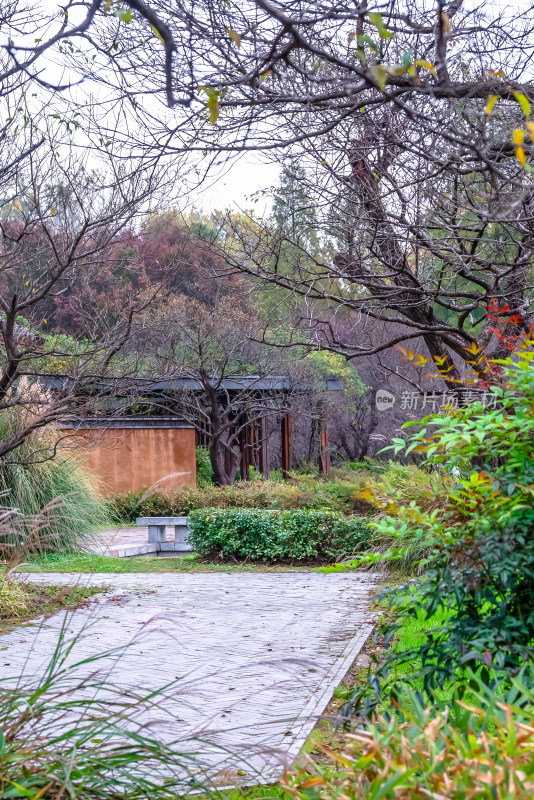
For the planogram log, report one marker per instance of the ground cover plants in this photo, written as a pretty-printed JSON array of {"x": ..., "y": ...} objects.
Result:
[
  {"x": 339, "y": 493},
  {"x": 21, "y": 601}
]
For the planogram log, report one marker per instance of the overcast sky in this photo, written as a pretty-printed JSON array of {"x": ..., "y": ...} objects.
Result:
[{"x": 233, "y": 184}]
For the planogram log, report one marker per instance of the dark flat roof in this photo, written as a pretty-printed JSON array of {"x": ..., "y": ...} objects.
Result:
[
  {"x": 102, "y": 422},
  {"x": 145, "y": 385}
]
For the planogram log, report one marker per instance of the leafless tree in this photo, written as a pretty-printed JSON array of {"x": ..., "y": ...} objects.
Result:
[
  {"x": 316, "y": 64},
  {"x": 220, "y": 379},
  {"x": 59, "y": 219},
  {"x": 413, "y": 116},
  {"x": 423, "y": 248}
]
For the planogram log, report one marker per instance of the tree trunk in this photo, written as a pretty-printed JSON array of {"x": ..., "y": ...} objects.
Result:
[
  {"x": 224, "y": 468},
  {"x": 448, "y": 369}
]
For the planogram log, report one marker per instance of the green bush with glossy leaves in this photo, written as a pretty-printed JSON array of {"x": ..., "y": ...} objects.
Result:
[
  {"x": 262, "y": 535},
  {"x": 479, "y": 564}
]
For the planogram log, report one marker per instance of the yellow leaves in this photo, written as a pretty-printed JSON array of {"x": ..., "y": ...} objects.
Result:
[
  {"x": 440, "y": 360},
  {"x": 376, "y": 20},
  {"x": 16, "y": 204},
  {"x": 523, "y": 102},
  {"x": 420, "y": 62},
  {"x": 333, "y": 754},
  {"x": 213, "y": 104},
  {"x": 407, "y": 355},
  {"x": 311, "y": 782},
  {"x": 420, "y": 360},
  {"x": 474, "y": 349},
  {"x": 379, "y": 75},
  {"x": 124, "y": 14},
  {"x": 380, "y": 72},
  {"x": 518, "y": 137},
  {"x": 234, "y": 36},
  {"x": 417, "y": 359},
  {"x": 158, "y": 34},
  {"x": 52, "y": 211},
  {"x": 491, "y": 102},
  {"x": 366, "y": 494}
]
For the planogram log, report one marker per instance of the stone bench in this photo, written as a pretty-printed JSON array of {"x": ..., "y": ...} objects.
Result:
[{"x": 157, "y": 533}]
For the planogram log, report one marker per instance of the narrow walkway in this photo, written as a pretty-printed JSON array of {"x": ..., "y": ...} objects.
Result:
[{"x": 255, "y": 657}]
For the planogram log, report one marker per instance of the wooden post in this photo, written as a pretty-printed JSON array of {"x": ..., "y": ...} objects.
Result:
[
  {"x": 264, "y": 461},
  {"x": 202, "y": 434},
  {"x": 324, "y": 455},
  {"x": 287, "y": 454},
  {"x": 245, "y": 444}
]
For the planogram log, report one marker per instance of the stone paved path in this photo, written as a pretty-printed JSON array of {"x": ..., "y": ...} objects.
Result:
[{"x": 257, "y": 655}]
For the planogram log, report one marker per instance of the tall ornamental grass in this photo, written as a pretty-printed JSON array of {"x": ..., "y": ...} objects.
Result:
[
  {"x": 34, "y": 481},
  {"x": 68, "y": 732}
]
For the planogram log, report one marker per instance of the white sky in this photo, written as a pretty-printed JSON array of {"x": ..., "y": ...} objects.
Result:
[
  {"x": 235, "y": 185},
  {"x": 232, "y": 184}
]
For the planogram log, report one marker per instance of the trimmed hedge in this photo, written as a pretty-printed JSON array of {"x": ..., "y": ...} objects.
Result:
[{"x": 263, "y": 535}]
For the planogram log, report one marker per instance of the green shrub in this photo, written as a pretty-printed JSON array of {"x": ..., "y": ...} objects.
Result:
[
  {"x": 274, "y": 535},
  {"x": 203, "y": 467},
  {"x": 479, "y": 568},
  {"x": 481, "y": 750}
]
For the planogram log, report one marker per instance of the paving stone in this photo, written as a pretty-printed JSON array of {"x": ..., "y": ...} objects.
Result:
[{"x": 254, "y": 657}]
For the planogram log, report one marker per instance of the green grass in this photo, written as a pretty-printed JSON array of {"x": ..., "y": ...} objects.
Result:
[
  {"x": 251, "y": 793},
  {"x": 411, "y": 635},
  {"x": 82, "y": 562}
]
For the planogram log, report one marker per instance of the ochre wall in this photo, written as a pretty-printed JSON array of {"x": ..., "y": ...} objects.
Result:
[{"x": 131, "y": 458}]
